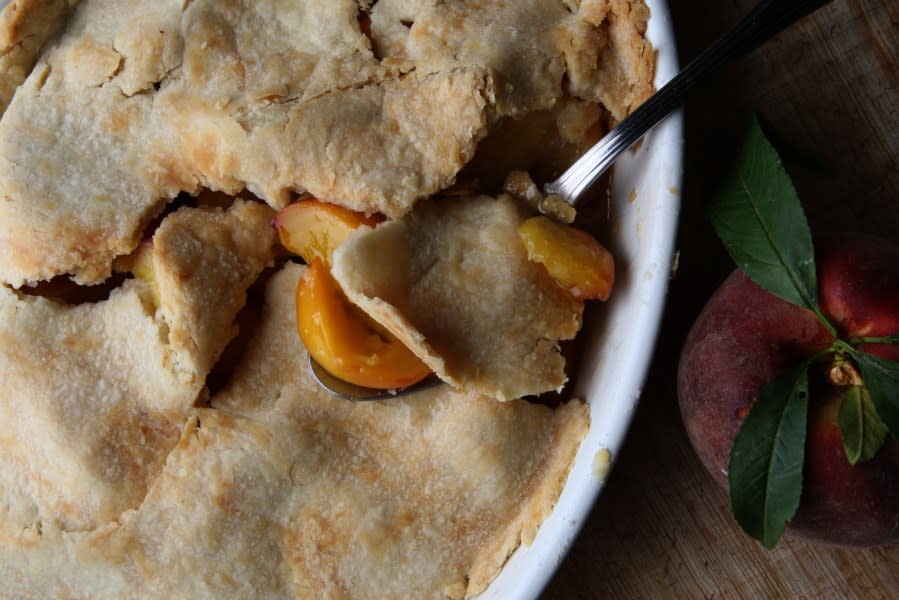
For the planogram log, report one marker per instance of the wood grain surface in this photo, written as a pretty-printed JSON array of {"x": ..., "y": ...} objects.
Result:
[{"x": 829, "y": 89}]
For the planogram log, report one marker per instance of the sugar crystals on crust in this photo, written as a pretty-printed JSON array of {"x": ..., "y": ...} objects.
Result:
[{"x": 284, "y": 491}]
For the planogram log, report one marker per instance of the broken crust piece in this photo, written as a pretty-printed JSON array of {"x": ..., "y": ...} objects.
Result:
[
  {"x": 205, "y": 258},
  {"x": 96, "y": 394},
  {"x": 284, "y": 491},
  {"x": 453, "y": 282}
]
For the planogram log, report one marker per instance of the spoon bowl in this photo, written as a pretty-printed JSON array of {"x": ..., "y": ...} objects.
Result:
[{"x": 350, "y": 391}]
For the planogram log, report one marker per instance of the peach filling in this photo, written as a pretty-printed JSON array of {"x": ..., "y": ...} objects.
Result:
[
  {"x": 140, "y": 264},
  {"x": 572, "y": 257},
  {"x": 345, "y": 341},
  {"x": 337, "y": 334}
]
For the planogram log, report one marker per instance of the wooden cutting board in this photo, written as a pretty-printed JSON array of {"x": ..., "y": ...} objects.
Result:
[{"x": 829, "y": 88}]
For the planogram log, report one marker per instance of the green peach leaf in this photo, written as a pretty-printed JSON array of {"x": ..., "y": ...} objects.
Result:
[
  {"x": 760, "y": 220},
  {"x": 861, "y": 429},
  {"x": 887, "y": 339},
  {"x": 765, "y": 470},
  {"x": 881, "y": 377}
]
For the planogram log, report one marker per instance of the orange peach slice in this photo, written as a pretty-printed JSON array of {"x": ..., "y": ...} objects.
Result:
[
  {"x": 312, "y": 228},
  {"x": 571, "y": 256},
  {"x": 345, "y": 341}
]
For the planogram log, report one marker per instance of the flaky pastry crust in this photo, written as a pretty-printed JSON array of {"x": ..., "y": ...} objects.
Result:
[{"x": 283, "y": 491}]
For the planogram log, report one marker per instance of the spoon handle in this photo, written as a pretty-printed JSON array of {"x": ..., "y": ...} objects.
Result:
[{"x": 768, "y": 18}]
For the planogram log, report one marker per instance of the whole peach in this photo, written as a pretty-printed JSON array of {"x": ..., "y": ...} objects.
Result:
[{"x": 745, "y": 336}]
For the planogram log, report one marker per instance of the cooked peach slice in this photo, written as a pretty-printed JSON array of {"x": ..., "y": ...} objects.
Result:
[
  {"x": 312, "y": 228},
  {"x": 337, "y": 334},
  {"x": 140, "y": 264},
  {"x": 571, "y": 256},
  {"x": 345, "y": 341}
]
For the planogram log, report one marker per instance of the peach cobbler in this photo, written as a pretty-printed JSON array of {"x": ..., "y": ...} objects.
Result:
[{"x": 197, "y": 195}]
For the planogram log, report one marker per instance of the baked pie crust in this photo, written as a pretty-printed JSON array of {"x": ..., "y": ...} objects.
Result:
[
  {"x": 125, "y": 472},
  {"x": 453, "y": 282},
  {"x": 281, "y": 490}
]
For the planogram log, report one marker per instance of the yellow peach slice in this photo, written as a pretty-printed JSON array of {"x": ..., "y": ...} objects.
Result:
[
  {"x": 140, "y": 264},
  {"x": 312, "y": 228},
  {"x": 571, "y": 256},
  {"x": 345, "y": 341}
]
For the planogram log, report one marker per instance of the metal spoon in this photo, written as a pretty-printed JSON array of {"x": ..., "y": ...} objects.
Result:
[
  {"x": 351, "y": 391},
  {"x": 767, "y": 19}
]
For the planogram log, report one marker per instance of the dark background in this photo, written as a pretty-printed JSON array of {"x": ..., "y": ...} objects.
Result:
[{"x": 829, "y": 89}]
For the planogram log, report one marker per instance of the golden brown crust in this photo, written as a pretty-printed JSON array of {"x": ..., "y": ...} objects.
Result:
[
  {"x": 21, "y": 19},
  {"x": 494, "y": 34},
  {"x": 88, "y": 124},
  {"x": 608, "y": 57},
  {"x": 207, "y": 258}
]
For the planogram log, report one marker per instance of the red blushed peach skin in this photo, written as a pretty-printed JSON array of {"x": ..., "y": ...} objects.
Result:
[
  {"x": 858, "y": 277},
  {"x": 853, "y": 505},
  {"x": 741, "y": 340}
]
